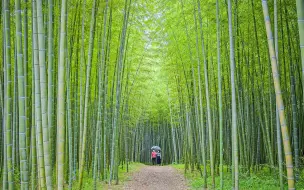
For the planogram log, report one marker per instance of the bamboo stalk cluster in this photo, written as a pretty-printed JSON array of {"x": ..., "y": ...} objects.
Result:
[{"x": 89, "y": 86}]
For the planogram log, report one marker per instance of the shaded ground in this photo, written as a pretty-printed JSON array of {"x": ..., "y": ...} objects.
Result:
[{"x": 157, "y": 177}]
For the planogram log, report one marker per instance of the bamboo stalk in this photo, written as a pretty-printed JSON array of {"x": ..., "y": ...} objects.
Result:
[{"x": 279, "y": 99}]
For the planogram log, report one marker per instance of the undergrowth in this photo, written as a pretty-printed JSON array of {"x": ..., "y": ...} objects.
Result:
[
  {"x": 261, "y": 180},
  {"x": 124, "y": 176}
]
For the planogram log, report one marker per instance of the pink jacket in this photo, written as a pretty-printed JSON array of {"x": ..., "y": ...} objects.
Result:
[{"x": 153, "y": 154}]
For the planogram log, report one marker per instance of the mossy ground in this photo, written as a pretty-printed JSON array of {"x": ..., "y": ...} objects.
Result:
[{"x": 261, "y": 180}]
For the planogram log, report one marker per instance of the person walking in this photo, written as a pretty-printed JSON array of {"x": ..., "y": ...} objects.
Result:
[
  {"x": 153, "y": 157},
  {"x": 158, "y": 157}
]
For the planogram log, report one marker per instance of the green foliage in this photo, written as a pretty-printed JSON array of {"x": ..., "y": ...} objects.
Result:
[
  {"x": 261, "y": 180},
  {"x": 124, "y": 176}
]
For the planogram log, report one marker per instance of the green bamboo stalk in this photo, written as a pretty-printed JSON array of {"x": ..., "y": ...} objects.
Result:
[
  {"x": 279, "y": 145},
  {"x": 193, "y": 84},
  {"x": 172, "y": 127},
  {"x": 266, "y": 130},
  {"x": 119, "y": 75},
  {"x": 105, "y": 122},
  {"x": 279, "y": 141},
  {"x": 233, "y": 101},
  {"x": 69, "y": 147},
  {"x": 300, "y": 13},
  {"x": 100, "y": 94},
  {"x": 26, "y": 84},
  {"x": 82, "y": 71},
  {"x": 8, "y": 95},
  {"x": 220, "y": 91},
  {"x": 4, "y": 174},
  {"x": 50, "y": 103},
  {"x": 201, "y": 120},
  {"x": 21, "y": 103},
  {"x": 87, "y": 93},
  {"x": 76, "y": 123},
  {"x": 15, "y": 117},
  {"x": 61, "y": 99},
  {"x": 44, "y": 95},
  {"x": 210, "y": 130},
  {"x": 279, "y": 99},
  {"x": 34, "y": 167},
  {"x": 98, "y": 124},
  {"x": 106, "y": 83},
  {"x": 293, "y": 100},
  {"x": 39, "y": 137}
]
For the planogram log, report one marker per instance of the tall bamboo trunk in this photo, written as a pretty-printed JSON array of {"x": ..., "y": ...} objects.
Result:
[
  {"x": 101, "y": 107},
  {"x": 61, "y": 99},
  {"x": 87, "y": 93},
  {"x": 50, "y": 106},
  {"x": 8, "y": 96},
  {"x": 200, "y": 112},
  {"x": 21, "y": 103},
  {"x": 278, "y": 135},
  {"x": 300, "y": 12},
  {"x": 33, "y": 155},
  {"x": 220, "y": 91},
  {"x": 119, "y": 70},
  {"x": 209, "y": 119},
  {"x": 82, "y": 71},
  {"x": 279, "y": 99},
  {"x": 293, "y": 100},
  {"x": 4, "y": 174},
  {"x": 40, "y": 155},
  {"x": 233, "y": 100},
  {"x": 26, "y": 84},
  {"x": 172, "y": 129},
  {"x": 43, "y": 91}
]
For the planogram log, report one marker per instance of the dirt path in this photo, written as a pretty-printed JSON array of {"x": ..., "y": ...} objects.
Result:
[{"x": 157, "y": 177}]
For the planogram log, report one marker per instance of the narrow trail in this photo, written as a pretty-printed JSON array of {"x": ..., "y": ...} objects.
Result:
[{"x": 157, "y": 177}]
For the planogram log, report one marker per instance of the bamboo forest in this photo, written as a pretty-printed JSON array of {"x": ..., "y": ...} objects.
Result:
[{"x": 89, "y": 86}]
